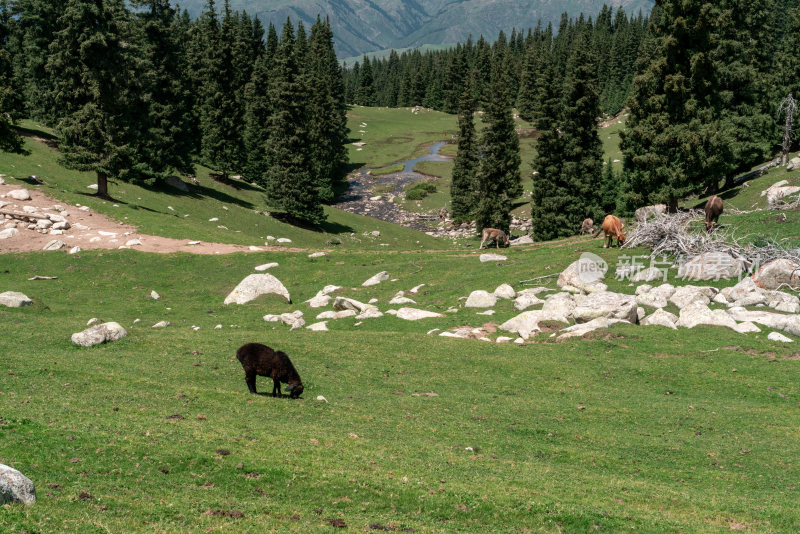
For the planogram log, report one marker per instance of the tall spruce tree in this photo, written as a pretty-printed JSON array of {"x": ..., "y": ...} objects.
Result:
[
  {"x": 582, "y": 148},
  {"x": 95, "y": 74},
  {"x": 10, "y": 104},
  {"x": 551, "y": 194},
  {"x": 327, "y": 113},
  {"x": 498, "y": 176},
  {"x": 365, "y": 94},
  {"x": 291, "y": 184},
  {"x": 217, "y": 108},
  {"x": 38, "y": 22},
  {"x": 464, "y": 187},
  {"x": 696, "y": 115},
  {"x": 167, "y": 145}
]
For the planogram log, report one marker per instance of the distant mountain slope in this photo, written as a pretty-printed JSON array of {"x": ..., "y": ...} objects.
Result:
[{"x": 367, "y": 25}]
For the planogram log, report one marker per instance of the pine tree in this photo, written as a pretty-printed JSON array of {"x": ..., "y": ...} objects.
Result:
[
  {"x": 258, "y": 110},
  {"x": 327, "y": 113},
  {"x": 291, "y": 185},
  {"x": 550, "y": 197},
  {"x": 94, "y": 68},
  {"x": 167, "y": 145},
  {"x": 219, "y": 115},
  {"x": 464, "y": 186},
  {"x": 365, "y": 94},
  {"x": 10, "y": 105},
  {"x": 37, "y": 21},
  {"x": 695, "y": 111},
  {"x": 582, "y": 149},
  {"x": 498, "y": 176}
]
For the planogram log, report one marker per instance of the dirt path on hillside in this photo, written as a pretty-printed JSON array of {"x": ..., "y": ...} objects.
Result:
[{"x": 90, "y": 230}]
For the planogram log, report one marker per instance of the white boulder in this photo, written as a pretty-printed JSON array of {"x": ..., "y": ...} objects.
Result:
[
  {"x": 712, "y": 266},
  {"x": 377, "y": 279},
  {"x": 777, "y": 336},
  {"x": 414, "y": 314},
  {"x": 686, "y": 295},
  {"x": 606, "y": 304},
  {"x": 480, "y": 299},
  {"x": 293, "y": 319},
  {"x": 505, "y": 291},
  {"x": 319, "y": 327},
  {"x": 255, "y": 285},
  {"x": 14, "y": 299},
  {"x": 19, "y": 194},
  {"x": 9, "y": 233},
  {"x": 661, "y": 318},
  {"x": 584, "y": 275},
  {"x": 778, "y": 273},
  {"x": 98, "y": 334},
  {"x": 698, "y": 314},
  {"x": 485, "y": 258},
  {"x": 265, "y": 266},
  {"x": 15, "y": 487}
]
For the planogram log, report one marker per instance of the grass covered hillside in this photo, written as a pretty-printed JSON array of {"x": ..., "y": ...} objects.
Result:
[
  {"x": 635, "y": 427},
  {"x": 171, "y": 213},
  {"x": 399, "y": 429}
]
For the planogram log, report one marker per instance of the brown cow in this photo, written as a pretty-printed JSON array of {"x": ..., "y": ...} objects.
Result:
[
  {"x": 713, "y": 210},
  {"x": 587, "y": 227},
  {"x": 612, "y": 227},
  {"x": 493, "y": 234}
]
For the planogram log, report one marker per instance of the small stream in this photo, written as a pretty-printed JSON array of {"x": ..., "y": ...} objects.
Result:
[{"x": 361, "y": 191}]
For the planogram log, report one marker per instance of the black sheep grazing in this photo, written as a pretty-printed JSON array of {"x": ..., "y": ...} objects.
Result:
[{"x": 258, "y": 359}]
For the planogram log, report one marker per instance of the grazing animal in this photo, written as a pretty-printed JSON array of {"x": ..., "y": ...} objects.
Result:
[
  {"x": 587, "y": 227},
  {"x": 713, "y": 210},
  {"x": 612, "y": 227},
  {"x": 493, "y": 234},
  {"x": 258, "y": 359}
]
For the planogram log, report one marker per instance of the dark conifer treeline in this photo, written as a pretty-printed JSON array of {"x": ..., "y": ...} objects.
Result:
[
  {"x": 433, "y": 79},
  {"x": 141, "y": 94}
]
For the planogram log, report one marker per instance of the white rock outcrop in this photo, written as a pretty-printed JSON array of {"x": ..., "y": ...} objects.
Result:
[
  {"x": 712, "y": 266},
  {"x": 15, "y": 487},
  {"x": 606, "y": 304},
  {"x": 414, "y": 314},
  {"x": 377, "y": 279},
  {"x": 14, "y": 299},
  {"x": 101, "y": 333},
  {"x": 485, "y": 258},
  {"x": 525, "y": 301},
  {"x": 686, "y": 295},
  {"x": 777, "y": 336},
  {"x": 322, "y": 326},
  {"x": 480, "y": 299},
  {"x": 661, "y": 318},
  {"x": 578, "y": 330},
  {"x": 583, "y": 275},
  {"x": 19, "y": 194},
  {"x": 777, "y": 274},
  {"x": 293, "y": 319},
  {"x": 655, "y": 297},
  {"x": 336, "y": 314},
  {"x": 255, "y": 285},
  {"x": 505, "y": 291},
  {"x": 698, "y": 314}
]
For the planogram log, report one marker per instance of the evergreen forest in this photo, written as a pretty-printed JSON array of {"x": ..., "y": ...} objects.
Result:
[{"x": 138, "y": 91}]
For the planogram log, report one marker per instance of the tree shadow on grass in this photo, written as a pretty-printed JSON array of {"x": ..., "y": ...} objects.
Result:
[
  {"x": 326, "y": 227},
  {"x": 201, "y": 191},
  {"x": 38, "y": 135},
  {"x": 239, "y": 185}
]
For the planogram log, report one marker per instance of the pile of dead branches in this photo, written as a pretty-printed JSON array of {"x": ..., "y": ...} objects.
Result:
[{"x": 682, "y": 236}]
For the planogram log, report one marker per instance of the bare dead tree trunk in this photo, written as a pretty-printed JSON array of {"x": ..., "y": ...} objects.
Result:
[{"x": 789, "y": 107}]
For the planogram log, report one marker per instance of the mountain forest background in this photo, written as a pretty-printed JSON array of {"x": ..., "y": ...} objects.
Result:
[{"x": 141, "y": 90}]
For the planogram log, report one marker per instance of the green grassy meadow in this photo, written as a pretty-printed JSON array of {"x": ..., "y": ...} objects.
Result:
[{"x": 634, "y": 428}]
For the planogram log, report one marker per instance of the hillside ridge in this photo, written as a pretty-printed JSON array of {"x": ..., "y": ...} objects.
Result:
[{"x": 362, "y": 26}]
